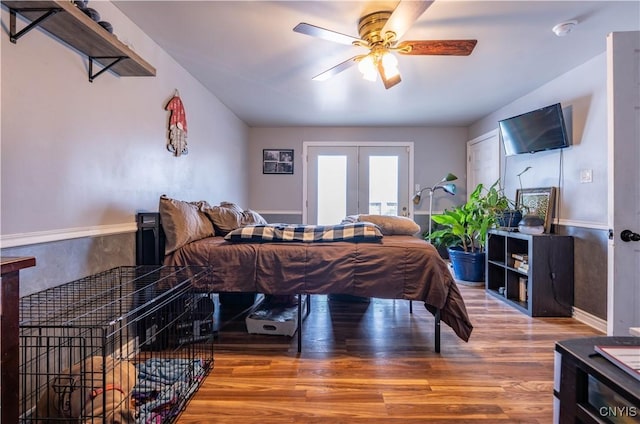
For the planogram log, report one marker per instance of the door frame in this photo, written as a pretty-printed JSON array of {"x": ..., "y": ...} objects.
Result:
[{"x": 305, "y": 162}]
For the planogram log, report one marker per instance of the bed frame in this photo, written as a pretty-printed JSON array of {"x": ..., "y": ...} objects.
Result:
[{"x": 150, "y": 245}]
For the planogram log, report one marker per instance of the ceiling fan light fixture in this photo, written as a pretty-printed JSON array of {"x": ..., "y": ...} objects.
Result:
[
  {"x": 367, "y": 67},
  {"x": 390, "y": 65},
  {"x": 389, "y": 73}
]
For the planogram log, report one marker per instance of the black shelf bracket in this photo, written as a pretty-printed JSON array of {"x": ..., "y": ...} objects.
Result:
[
  {"x": 115, "y": 59},
  {"x": 13, "y": 35}
]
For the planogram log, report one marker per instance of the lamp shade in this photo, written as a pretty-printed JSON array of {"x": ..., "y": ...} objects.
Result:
[{"x": 449, "y": 188}]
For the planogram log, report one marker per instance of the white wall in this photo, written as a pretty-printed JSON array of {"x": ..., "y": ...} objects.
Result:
[
  {"x": 79, "y": 159},
  {"x": 583, "y": 91},
  {"x": 438, "y": 151},
  {"x": 88, "y": 155}
]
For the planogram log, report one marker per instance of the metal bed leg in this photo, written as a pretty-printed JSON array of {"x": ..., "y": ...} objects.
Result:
[
  {"x": 299, "y": 329},
  {"x": 437, "y": 330},
  {"x": 307, "y": 312},
  {"x": 411, "y": 306}
]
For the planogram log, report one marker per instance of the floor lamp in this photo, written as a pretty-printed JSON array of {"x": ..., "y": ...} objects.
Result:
[{"x": 443, "y": 184}]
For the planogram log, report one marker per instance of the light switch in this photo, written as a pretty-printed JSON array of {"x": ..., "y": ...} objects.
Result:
[{"x": 586, "y": 175}]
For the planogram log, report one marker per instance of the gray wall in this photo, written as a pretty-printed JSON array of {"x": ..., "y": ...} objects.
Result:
[
  {"x": 79, "y": 159},
  {"x": 582, "y": 209},
  {"x": 437, "y": 151}
]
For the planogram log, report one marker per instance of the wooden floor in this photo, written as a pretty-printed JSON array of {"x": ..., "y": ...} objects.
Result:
[{"x": 375, "y": 363}]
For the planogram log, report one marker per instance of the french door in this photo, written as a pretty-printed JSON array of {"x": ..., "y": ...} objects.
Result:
[{"x": 347, "y": 179}]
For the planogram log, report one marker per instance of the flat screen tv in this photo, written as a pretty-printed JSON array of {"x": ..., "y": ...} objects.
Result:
[{"x": 541, "y": 129}]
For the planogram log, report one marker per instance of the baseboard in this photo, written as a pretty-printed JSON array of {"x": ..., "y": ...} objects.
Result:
[{"x": 591, "y": 320}]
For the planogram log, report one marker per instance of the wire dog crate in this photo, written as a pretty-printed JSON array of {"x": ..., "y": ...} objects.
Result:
[{"x": 128, "y": 345}]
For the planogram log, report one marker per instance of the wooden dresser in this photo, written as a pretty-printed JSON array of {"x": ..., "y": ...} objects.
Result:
[{"x": 9, "y": 342}]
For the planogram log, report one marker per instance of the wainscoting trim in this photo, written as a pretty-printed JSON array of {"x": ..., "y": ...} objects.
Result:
[
  {"x": 267, "y": 212},
  {"x": 583, "y": 224},
  {"x": 25, "y": 239},
  {"x": 591, "y": 320}
]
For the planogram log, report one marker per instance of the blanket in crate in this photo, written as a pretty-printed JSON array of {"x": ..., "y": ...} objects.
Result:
[{"x": 164, "y": 385}]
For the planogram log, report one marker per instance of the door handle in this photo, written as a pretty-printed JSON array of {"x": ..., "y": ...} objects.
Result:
[{"x": 628, "y": 235}]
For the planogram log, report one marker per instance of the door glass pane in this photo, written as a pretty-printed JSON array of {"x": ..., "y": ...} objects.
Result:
[
  {"x": 332, "y": 189},
  {"x": 383, "y": 185}
]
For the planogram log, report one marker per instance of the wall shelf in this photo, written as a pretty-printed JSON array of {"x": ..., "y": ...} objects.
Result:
[{"x": 65, "y": 21}]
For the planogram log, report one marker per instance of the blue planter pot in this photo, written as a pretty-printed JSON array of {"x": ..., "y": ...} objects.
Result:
[
  {"x": 467, "y": 266},
  {"x": 509, "y": 219}
]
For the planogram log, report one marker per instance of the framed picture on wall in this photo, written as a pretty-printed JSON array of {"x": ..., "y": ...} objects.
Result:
[
  {"x": 277, "y": 161},
  {"x": 537, "y": 201}
]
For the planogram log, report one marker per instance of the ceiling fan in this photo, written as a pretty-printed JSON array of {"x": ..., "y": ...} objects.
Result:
[{"x": 380, "y": 32}]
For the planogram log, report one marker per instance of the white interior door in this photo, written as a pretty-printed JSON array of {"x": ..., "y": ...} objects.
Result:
[
  {"x": 483, "y": 160},
  {"x": 623, "y": 92},
  {"x": 347, "y": 180}
]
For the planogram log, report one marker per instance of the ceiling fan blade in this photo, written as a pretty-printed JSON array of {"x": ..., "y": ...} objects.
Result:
[
  {"x": 438, "y": 47},
  {"x": 327, "y": 34},
  {"x": 405, "y": 14},
  {"x": 336, "y": 69}
]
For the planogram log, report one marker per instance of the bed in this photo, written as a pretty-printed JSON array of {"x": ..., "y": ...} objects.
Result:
[{"x": 389, "y": 265}]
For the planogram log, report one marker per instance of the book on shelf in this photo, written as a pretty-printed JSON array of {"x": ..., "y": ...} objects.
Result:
[
  {"x": 523, "y": 267},
  {"x": 520, "y": 264},
  {"x": 626, "y": 358},
  {"x": 520, "y": 257},
  {"x": 522, "y": 289}
]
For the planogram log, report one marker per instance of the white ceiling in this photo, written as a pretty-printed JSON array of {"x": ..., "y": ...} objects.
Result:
[{"x": 247, "y": 54}]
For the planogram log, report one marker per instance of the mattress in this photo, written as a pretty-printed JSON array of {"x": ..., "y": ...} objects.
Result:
[{"x": 397, "y": 267}]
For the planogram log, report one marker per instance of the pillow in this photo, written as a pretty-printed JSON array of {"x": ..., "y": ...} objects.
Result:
[
  {"x": 349, "y": 219},
  {"x": 183, "y": 222},
  {"x": 392, "y": 225},
  {"x": 250, "y": 217},
  {"x": 224, "y": 219},
  {"x": 229, "y": 216},
  {"x": 232, "y": 206}
]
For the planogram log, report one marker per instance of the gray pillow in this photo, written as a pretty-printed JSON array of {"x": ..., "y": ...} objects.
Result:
[
  {"x": 183, "y": 222},
  {"x": 229, "y": 216},
  {"x": 392, "y": 225}
]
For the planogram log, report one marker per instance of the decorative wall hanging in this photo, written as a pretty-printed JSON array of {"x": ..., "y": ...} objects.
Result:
[
  {"x": 177, "y": 143},
  {"x": 277, "y": 161},
  {"x": 539, "y": 202}
]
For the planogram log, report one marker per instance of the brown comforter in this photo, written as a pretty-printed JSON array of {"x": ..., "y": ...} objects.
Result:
[{"x": 400, "y": 267}]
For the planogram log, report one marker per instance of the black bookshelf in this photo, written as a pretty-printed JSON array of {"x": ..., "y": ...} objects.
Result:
[{"x": 541, "y": 283}]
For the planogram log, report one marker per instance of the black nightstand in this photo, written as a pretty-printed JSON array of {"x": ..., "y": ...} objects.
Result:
[{"x": 590, "y": 389}]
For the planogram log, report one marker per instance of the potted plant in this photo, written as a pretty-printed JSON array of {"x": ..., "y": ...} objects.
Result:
[
  {"x": 465, "y": 229},
  {"x": 504, "y": 209}
]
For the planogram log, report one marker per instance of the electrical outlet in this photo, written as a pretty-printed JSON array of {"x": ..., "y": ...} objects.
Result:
[
  {"x": 417, "y": 188},
  {"x": 586, "y": 175}
]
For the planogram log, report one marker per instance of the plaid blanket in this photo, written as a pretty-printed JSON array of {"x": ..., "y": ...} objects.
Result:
[{"x": 354, "y": 232}]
